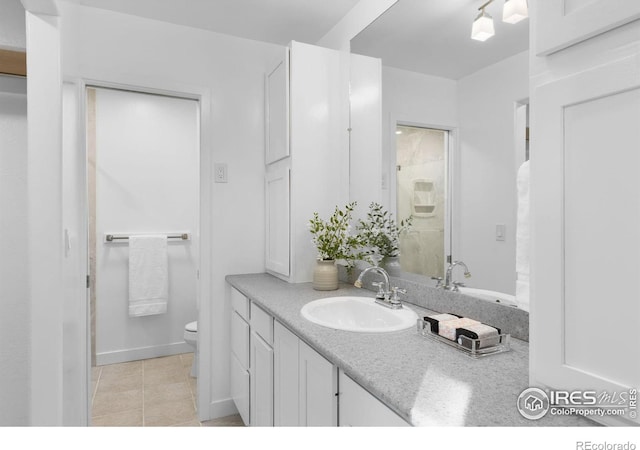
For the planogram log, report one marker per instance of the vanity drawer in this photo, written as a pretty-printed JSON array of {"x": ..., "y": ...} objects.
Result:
[
  {"x": 262, "y": 323},
  {"x": 240, "y": 304},
  {"x": 240, "y": 339}
]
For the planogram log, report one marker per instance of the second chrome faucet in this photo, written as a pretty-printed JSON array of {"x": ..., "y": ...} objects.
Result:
[{"x": 448, "y": 283}]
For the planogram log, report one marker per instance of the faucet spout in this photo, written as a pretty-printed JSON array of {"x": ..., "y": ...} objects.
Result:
[
  {"x": 448, "y": 279},
  {"x": 383, "y": 292}
]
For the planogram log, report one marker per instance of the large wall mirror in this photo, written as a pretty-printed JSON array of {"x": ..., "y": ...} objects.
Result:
[{"x": 454, "y": 136}]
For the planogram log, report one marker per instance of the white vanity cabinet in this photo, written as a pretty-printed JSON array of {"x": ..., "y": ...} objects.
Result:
[
  {"x": 585, "y": 111},
  {"x": 239, "y": 361},
  {"x": 305, "y": 390},
  {"x": 307, "y": 157},
  {"x": 358, "y": 408},
  {"x": 261, "y": 367}
]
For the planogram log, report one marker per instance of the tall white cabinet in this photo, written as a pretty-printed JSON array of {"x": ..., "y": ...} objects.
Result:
[
  {"x": 585, "y": 156},
  {"x": 307, "y": 158}
]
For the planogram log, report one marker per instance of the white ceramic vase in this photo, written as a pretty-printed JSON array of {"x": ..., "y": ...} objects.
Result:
[
  {"x": 392, "y": 265},
  {"x": 325, "y": 275}
]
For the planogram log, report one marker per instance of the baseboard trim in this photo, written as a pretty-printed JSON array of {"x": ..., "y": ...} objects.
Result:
[
  {"x": 136, "y": 354},
  {"x": 221, "y": 408}
]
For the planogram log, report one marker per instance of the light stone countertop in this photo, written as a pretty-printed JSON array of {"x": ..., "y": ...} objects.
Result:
[{"x": 426, "y": 382}]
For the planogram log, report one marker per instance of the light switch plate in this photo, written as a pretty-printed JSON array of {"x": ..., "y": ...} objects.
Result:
[
  {"x": 220, "y": 172},
  {"x": 500, "y": 232}
]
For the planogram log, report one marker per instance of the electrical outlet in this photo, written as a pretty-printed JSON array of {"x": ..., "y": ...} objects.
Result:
[{"x": 220, "y": 173}]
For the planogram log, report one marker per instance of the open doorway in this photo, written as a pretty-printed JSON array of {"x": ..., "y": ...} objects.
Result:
[
  {"x": 143, "y": 189},
  {"x": 421, "y": 190}
]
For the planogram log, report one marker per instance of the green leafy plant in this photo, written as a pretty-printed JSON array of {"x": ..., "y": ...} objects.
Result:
[
  {"x": 380, "y": 233},
  {"x": 333, "y": 237}
]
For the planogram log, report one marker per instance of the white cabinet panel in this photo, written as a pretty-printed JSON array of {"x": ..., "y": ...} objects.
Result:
[
  {"x": 277, "y": 113},
  {"x": 358, "y": 408},
  {"x": 318, "y": 389},
  {"x": 261, "y": 376},
  {"x": 286, "y": 397},
  {"x": 240, "y": 303},
  {"x": 262, "y": 323},
  {"x": 240, "y": 339},
  {"x": 305, "y": 383},
  {"x": 585, "y": 265},
  {"x": 277, "y": 187},
  {"x": 240, "y": 388},
  {"x": 561, "y": 23}
]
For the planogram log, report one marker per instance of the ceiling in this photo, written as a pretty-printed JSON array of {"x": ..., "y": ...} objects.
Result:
[
  {"x": 427, "y": 36},
  {"x": 275, "y": 21},
  {"x": 434, "y": 37}
]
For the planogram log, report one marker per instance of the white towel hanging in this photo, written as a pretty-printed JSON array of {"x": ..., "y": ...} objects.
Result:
[
  {"x": 148, "y": 275},
  {"x": 522, "y": 238}
]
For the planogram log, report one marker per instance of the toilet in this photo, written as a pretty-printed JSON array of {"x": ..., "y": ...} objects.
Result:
[{"x": 191, "y": 338}]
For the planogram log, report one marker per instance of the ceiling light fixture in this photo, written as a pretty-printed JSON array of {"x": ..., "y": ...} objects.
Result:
[
  {"x": 514, "y": 11},
  {"x": 482, "y": 28}
]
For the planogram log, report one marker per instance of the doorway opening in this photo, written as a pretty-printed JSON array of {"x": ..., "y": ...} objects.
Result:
[
  {"x": 422, "y": 156},
  {"x": 143, "y": 179}
]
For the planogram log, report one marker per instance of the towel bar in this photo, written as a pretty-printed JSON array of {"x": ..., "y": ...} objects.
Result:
[{"x": 123, "y": 237}]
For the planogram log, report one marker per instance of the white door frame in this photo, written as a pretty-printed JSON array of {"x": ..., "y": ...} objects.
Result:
[
  {"x": 203, "y": 96},
  {"x": 452, "y": 228}
]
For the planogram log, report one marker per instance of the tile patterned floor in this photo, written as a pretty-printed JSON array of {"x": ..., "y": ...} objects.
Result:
[{"x": 151, "y": 392}]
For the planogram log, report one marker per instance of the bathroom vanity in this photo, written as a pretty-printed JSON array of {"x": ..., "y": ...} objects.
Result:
[{"x": 359, "y": 379}]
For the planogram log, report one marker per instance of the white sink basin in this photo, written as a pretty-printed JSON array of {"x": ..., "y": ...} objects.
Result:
[
  {"x": 490, "y": 296},
  {"x": 359, "y": 314}
]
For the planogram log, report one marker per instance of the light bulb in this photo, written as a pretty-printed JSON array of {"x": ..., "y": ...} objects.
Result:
[
  {"x": 482, "y": 28},
  {"x": 514, "y": 11}
]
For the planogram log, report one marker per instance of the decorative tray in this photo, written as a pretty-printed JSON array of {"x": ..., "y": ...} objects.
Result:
[{"x": 474, "y": 348}]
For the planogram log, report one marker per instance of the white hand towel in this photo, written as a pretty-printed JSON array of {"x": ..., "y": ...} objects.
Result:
[
  {"x": 148, "y": 275},
  {"x": 522, "y": 222},
  {"x": 522, "y": 238}
]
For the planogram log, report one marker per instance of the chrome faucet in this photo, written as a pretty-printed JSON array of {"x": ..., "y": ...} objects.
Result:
[
  {"x": 451, "y": 285},
  {"x": 385, "y": 296}
]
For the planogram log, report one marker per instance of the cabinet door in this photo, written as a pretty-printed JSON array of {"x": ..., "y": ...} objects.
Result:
[
  {"x": 277, "y": 220},
  {"x": 585, "y": 312},
  {"x": 285, "y": 354},
  {"x": 277, "y": 110},
  {"x": 318, "y": 380},
  {"x": 561, "y": 23},
  {"x": 240, "y": 339},
  {"x": 261, "y": 376},
  {"x": 358, "y": 408},
  {"x": 240, "y": 388}
]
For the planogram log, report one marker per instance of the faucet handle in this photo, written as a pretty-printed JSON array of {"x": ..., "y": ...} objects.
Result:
[
  {"x": 394, "y": 294},
  {"x": 438, "y": 281},
  {"x": 457, "y": 284},
  {"x": 381, "y": 293}
]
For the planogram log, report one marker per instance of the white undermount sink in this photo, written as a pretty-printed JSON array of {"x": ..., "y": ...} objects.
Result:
[{"x": 360, "y": 314}]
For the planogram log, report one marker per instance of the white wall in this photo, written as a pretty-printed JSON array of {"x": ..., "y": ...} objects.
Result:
[
  {"x": 147, "y": 150},
  {"x": 357, "y": 19},
  {"x": 108, "y": 46},
  {"x": 12, "y": 25},
  {"x": 416, "y": 99},
  {"x": 487, "y": 170},
  {"x": 14, "y": 304}
]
